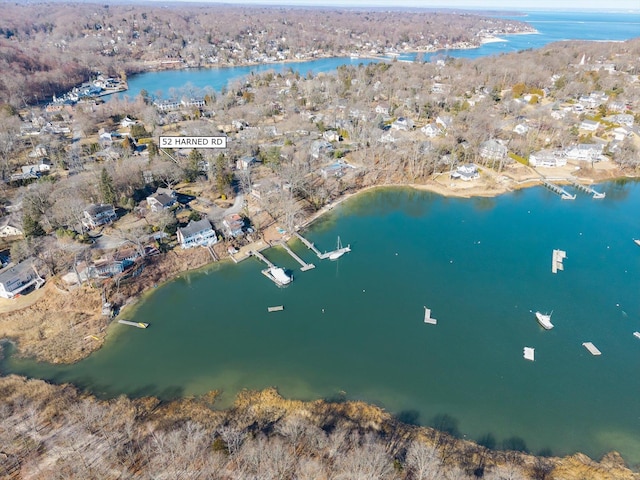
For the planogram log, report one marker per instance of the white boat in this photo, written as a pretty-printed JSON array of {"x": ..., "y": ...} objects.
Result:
[
  {"x": 544, "y": 320},
  {"x": 636, "y": 334},
  {"x": 280, "y": 276},
  {"x": 339, "y": 251},
  {"x": 637, "y": 241}
]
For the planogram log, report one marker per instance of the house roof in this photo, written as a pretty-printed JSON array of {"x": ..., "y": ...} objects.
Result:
[
  {"x": 96, "y": 209},
  {"x": 195, "y": 227},
  {"x": 162, "y": 198},
  {"x": 12, "y": 270}
]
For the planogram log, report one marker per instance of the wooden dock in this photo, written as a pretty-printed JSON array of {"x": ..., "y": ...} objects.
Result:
[
  {"x": 559, "y": 190},
  {"x": 588, "y": 189},
  {"x": 304, "y": 266},
  {"x": 427, "y": 317},
  {"x": 259, "y": 256},
  {"x": 332, "y": 254},
  {"x": 592, "y": 348},
  {"x": 277, "y": 308},
  {"x": 134, "y": 324},
  {"x": 308, "y": 244}
]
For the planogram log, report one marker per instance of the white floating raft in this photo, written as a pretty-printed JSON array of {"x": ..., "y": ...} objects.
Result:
[
  {"x": 593, "y": 350},
  {"x": 427, "y": 317},
  {"x": 529, "y": 353},
  {"x": 277, "y": 308}
]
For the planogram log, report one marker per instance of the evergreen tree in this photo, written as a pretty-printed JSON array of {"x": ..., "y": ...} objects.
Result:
[
  {"x": 107, "y": 190},
  {"x": 192, "y": 169},
  {"x": 31, "y": 226}
]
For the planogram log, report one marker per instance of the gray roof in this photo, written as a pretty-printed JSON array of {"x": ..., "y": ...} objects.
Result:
[
  {"x": 21, "y": 270},
  {"x": 193, "y": 228},
  {"x": 94, "y": 209}
]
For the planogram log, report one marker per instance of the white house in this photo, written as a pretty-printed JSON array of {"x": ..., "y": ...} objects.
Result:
[
  {"x": 466, "y": 172},
  {"x": 382, "y": 109},
  {"x": 162, "y": 199},
  {"x": 8, "y": 228},
  {"x": 197, "y": 234},
  {"x": 431, "y": 130},
  {"x": 623, "y": 119},
  {"x": 402, "y": 123},
  {"x": 589, "y": 125},
  {"x": 547, "y": 158},
  {"x": 585, "y": 151},
  {"x": 493, "y": 150},
  {"x": 16, "y": 278},
  {"x": 127, "y": 122},
  {"x": 98, "y": 214}
]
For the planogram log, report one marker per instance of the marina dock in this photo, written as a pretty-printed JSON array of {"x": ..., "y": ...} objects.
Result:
[
  {"x": 304, "y": 265},
  {"x": 134, "y": 324},
  {"x": 529, "y": 353},
  {"x": 592, "y": 348},
  {"x": 276, "y": 274},
  {"x": 559, "y": 190},
  {"x": 427, "y": 317},
  {"x": 588, "y": 189}
]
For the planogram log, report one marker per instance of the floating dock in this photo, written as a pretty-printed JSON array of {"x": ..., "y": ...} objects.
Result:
[
  {"x": 134, "y": 324},
  {"x": 427, "y": 317},
  {"x": 276, "y": 274},
  {"x": 529, "y": 353},
  {"x": 556, "y": 260},
  {"x": 308, "y": 244},
  {"x": 277, "y": 308},
  {"x": 559, "y": 190},
  {"x": 304, "y": 266},
  {"x": 592, "y": 348},
  {"x": 588, "y": 189}
]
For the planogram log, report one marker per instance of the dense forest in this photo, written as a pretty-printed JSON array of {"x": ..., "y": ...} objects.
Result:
[{"x": 49, "y": 48}]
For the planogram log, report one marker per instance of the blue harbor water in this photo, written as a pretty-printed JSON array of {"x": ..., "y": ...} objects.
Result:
[
  {"x": 551, "y": 27},
  {"x": 354, "y": 327}
]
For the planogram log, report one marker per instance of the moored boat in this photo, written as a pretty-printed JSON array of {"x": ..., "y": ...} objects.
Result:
[
  {"x": 637, "y": 241},
  {"x": 544, "y": 320}
]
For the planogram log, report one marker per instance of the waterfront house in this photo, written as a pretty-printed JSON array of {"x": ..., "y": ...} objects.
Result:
[
  {"x": 466, "y": 172},
  {"x": 233, "y": 224},
  {"x": 493, "y": 150},
  {"x": 166, "y": 105},
  {"x": 547, "y": 158},
  {"x": 96, "y": 215},
  {"x": 585, "y": 152},
  {"x": 196, "y": 234},
  {"x": 16, "y": 278},
  {"x": 162, "y": 199}
]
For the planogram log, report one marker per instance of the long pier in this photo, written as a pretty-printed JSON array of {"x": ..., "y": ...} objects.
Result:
[
  {"x": 259, "y": 256},
  {"x": 309, "y": 245},
  {"x": 588, "y": 189},
  {"x": 304, "y": 266},
  {"x": 559, "y": 190},
  {"x": 332, "y": 254}
]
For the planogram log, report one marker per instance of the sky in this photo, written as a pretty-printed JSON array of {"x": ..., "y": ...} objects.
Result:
[{"x": 603, "y": 5}]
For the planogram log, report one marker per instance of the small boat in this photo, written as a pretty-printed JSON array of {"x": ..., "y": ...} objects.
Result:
[
  {"x": 339, "y": 251},
  {"x": 637, "y": 241},
  {"x": 277, "y": 308},
  {"x": 544, "y": 320},
  {"x": 280, "y": 276},
  {"x": 636, "y": 334}
]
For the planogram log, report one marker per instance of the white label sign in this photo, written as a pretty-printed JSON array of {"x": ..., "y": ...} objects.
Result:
[{"x": 193, "y": 142}]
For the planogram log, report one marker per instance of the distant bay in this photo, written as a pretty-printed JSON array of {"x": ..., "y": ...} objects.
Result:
[
  {"x": 551, "y": 27},
  {"x": 354, "y": 328}
]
